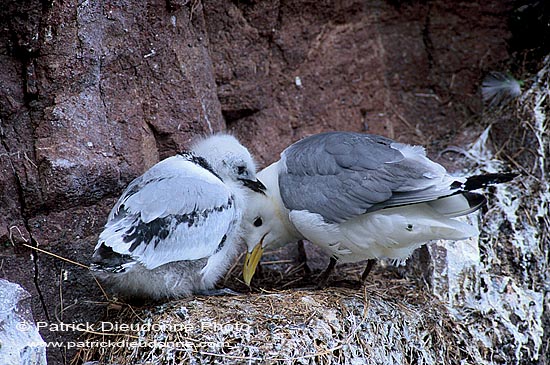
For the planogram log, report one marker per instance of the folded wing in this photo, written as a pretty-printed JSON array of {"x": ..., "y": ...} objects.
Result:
[
  {"x": 176, "y": 211},
  {"x": 340, "y": 175}
]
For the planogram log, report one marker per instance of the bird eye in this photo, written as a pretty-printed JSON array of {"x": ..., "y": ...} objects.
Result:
[
  {"x": 241, "y": 170},
  {"x": 258, "y": 222}
]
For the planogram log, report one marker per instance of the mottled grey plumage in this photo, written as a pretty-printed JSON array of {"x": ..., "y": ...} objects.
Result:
[{"x": 175, "y": 229}]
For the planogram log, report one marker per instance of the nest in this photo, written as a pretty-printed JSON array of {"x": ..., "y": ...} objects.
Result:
[{"x": 390, "y": 321}]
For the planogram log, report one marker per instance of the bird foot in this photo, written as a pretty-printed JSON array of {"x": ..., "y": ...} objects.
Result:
[{"x": 218, "y": 292}]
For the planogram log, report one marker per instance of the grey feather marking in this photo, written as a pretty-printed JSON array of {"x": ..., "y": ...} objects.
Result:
[
  {"x": 157, "y": 190},
  {"x": 142, "y": 233},
  {"x": 221, "y": 244},
  {"x": 104, "y": 258},
  {"x": 340, "y": 175},
  {"x": 201, "y": 161},
  {"x": 184, "y": 211}
]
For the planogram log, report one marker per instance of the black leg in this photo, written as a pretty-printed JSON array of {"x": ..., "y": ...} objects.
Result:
[
  {"x": 368, "y": 268},
  {"x": 302, "y": 257},
  {"x": 323, "y": 278}
]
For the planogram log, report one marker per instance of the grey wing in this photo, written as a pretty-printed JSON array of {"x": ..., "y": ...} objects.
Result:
[
  {"x": 175, "y": 211},
  {"x": 340, "y": 175}
]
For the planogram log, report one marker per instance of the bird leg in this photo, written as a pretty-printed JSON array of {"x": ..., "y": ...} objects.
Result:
[
  {"x": 368, "y": 268},
  {"x": 302, "y": 257},
  {"x": 323, "y": 278}
]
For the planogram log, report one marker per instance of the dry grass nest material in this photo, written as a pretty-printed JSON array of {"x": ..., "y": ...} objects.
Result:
[{"x": 390, "y": 320}]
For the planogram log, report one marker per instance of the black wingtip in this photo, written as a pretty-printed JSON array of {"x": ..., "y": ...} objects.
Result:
[
  {"x": 475, "y": 200},
  {"x": 481, "y": 181}
]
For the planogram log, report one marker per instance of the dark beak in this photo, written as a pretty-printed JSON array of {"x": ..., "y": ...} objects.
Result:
[{"x": 254, "y": 185}]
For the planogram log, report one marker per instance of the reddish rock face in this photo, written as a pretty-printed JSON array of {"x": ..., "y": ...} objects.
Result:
[
  {"x": 93, "y": 94},
  {"x": 408, "y": 70}
]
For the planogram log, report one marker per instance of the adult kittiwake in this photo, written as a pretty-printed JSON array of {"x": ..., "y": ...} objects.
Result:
[
  {"x": 358, "y": 197},
  {"x": 175, "y": 229}
]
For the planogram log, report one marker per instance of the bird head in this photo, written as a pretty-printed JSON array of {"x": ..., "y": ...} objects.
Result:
[
  {"x": 229, "y": 159},
  {"x": 265, "y": 222}
]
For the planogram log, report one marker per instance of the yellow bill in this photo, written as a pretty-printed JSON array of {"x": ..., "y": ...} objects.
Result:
[{"x": 251, "y": 262}]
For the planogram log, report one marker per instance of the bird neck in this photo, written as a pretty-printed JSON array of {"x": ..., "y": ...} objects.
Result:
[{"x": 270, "y": 178}]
